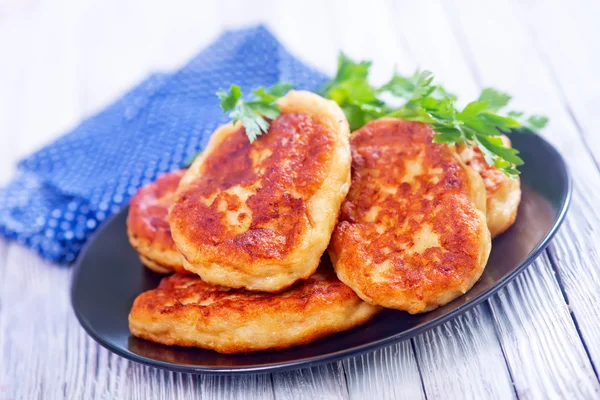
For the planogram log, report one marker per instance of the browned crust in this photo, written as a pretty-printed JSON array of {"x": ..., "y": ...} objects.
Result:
[
  {"x": 412, "y": 232},
  {"x": 300, "y": 149},
  {"x": 148, "y": 227},
  {"x": 260, "y": 215},
  {"x": 186, "y": 311}
]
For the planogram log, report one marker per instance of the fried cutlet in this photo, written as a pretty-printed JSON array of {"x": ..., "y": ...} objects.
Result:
[
  {"x": 259, "y": 215},
  {"x": 412, "y": 232},
  {"x": 148, "y": 227},
  {"x": 503, "y": 193},
  {"x": 186, "y": 311}
]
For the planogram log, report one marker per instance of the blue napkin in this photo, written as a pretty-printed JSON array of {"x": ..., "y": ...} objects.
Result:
[{"x": 67, "y": 189}]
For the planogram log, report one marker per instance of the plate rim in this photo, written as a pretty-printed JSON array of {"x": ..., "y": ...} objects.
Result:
[{"x": 340, "y": 354}]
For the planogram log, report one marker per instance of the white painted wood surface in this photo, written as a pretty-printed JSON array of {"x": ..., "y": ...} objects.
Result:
[{"x": 540, "y": 338}]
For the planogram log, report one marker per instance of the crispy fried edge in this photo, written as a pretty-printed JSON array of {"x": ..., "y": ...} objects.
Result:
[
  {"x": 304, "y": 320},
  {"x": 162, "y": 261},
  {"x": 303, "y": 261},
  {"x": 478, "y": 196}
]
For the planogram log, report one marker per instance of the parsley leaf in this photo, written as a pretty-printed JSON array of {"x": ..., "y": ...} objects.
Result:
[
  {"x": 253, "y": 114},
  {"x": 536, "y": 122},
  {"x": 533, "y": 122},
  {"x": 273, "y": 93},
  {"x": 353, "y": 93},
  {"x": 495, "y": 98},
  {"x": 400, "y": 86},
  {"x": 413, "y": 97},
  {"x": 229, "y": 99},
  {"x": 480, "y": 122}
]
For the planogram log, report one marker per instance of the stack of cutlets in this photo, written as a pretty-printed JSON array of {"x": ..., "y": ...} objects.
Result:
[{"x": 245, "y": 230}]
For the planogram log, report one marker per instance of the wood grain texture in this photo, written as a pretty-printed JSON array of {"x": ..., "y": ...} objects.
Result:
[
  {"x": 243, "y": 387},
  {"x": 323, "y": 382},
  {"x": 390, "y": 373},
  {"x": 466, "y": 346},
  {"x": 50, "y": 357},
  {"x": 573, "y": 69},
  {"x": 578, "y": 240},
  {"x": 461, "y": 352},
  {"x": 46, "y": 354},
  {"x": 546, "y": 356},
  {"x": 64, "y": 64},
  {"x": 576, "y": 254}
]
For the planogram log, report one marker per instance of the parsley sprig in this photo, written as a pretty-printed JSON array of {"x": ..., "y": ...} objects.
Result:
[
  {"x": 413, "y": 97},
  {"x": 480, "y": 121},
  {"x": 253, "y": 114}
]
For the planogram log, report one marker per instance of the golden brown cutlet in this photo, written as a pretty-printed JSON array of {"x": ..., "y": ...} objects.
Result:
[
  {"x": 186, "y": 311},
  {"x": 147, "y": 225},
  {"x": 412, "y": 232},
  {"x": 259, "y": 215}
]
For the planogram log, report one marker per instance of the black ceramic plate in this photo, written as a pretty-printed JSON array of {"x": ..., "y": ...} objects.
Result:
[{"x": 109, "y": 276}]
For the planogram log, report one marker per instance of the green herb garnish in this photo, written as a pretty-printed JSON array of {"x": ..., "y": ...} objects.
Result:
[
  {"x": 253, "y": 113},
  {"x": 417, "y": 98},
  {"x": 414, "y": 98}
]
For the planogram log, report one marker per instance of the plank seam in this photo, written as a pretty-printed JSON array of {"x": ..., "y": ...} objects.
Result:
[
  {"x": 341, "y": 366},
  {"x": 558, "y": 277},
  {"x": 272, "y": 386},
  {"x": 414, "y": 349},
  {"x": 97, "y": 368},
  {"x": 460, "y": 35},
  {"x": 345, "y": 378},
  {"x": 498, "y": 337}
]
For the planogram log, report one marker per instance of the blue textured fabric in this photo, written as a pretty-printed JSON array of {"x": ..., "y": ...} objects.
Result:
[{"x": 67, "y": 189}]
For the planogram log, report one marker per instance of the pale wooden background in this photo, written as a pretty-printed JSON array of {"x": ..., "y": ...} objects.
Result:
[{"x": 539, "y": 338}]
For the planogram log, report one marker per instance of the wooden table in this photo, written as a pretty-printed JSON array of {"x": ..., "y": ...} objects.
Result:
[{"x": 63, "y": 60}]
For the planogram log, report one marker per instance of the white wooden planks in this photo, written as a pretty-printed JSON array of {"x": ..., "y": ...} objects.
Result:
[
  {"x": 570, "y": 56},
  {"x": 390, "y": 373},
  {"x": 46, "y": 354},
  {"x": 574, "y": 68},
  {"x": 243, "y": 387},
  {"x": 546, "y": 357},
  {"x": 34, "y": 326},
  {"x": 451, "y": 352},
  {"x": 467, "y": 45},
  {"x": 325, "y": 382},
  {"x": 465, "y": 347},
  {"x": 523, "y": 72}
]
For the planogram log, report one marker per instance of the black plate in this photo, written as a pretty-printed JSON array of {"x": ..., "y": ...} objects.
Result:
[{"x": 109, "y": 276}]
